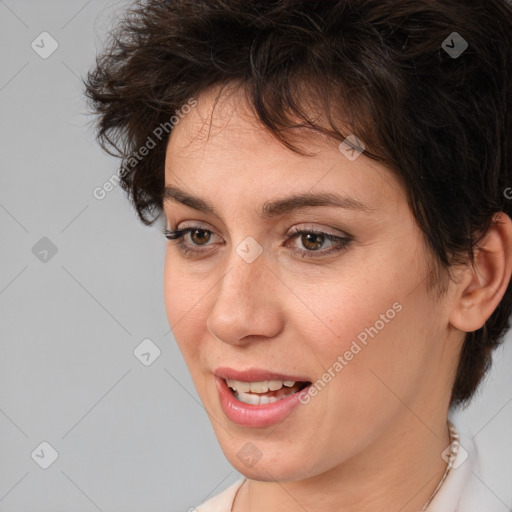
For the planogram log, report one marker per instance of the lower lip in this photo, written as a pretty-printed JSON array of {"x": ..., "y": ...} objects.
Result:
[{"x": 249, "y": 415}]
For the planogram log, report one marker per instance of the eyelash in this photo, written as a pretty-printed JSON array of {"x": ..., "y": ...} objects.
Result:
[{"x": 341, "y": 242}]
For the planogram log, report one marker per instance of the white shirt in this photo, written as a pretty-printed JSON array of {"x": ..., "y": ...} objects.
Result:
[{"x": 464, "y": 489}]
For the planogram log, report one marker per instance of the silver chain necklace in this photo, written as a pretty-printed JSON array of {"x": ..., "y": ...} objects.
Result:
[{"x": 454, "y": 450}]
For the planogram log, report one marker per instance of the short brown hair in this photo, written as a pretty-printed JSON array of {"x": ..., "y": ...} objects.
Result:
[{"x": 389, "y": 68}]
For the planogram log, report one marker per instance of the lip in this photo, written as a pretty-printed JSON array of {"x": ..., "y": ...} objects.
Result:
[
  {"x": 256, "y": 375},
  {"x": 256, "y": 416}
]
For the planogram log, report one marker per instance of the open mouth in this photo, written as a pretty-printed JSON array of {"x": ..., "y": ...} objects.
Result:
[{"x": 264, "y": 392}]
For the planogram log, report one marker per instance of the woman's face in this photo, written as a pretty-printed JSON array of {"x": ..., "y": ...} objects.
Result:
[{"x": 250, "y": 301}]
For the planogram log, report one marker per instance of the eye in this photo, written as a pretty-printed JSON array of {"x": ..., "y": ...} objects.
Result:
[
  {"x": 198, "y": 235},
  {"x": 313, "y": 241}
]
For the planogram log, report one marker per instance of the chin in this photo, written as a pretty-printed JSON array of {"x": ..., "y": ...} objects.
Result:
[{"x": 266, "y": 460}]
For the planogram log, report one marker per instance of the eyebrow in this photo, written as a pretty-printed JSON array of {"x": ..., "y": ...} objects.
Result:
[{"x": 272, "y": 208}]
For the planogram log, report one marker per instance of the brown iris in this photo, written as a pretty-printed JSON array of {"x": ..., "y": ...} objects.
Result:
[
  {"x": 305, "y": 240},
  {"x": 197, "y": 240}
]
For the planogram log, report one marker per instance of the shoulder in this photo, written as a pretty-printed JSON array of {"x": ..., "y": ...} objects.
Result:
[{"x": 221, "y": 502}]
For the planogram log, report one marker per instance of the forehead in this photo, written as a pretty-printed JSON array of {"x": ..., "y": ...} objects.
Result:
[
  {"x": 220, "y": 144},
  {"x": 221, "y": 120},
  {"x": 224, "y": 118}
]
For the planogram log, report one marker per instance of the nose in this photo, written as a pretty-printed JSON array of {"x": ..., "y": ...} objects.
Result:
[{"x": 246, "y": 306}]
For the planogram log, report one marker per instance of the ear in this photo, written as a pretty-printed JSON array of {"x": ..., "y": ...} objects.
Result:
[{"x": 481, "y": 288}]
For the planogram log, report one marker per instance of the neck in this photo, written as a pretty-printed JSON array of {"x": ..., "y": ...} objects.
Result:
[{"x": 398, "y": 472}]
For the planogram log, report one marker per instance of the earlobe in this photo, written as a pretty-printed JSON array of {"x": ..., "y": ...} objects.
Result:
[{"x": 482, "y": 286}]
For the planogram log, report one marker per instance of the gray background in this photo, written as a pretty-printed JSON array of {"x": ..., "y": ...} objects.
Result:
[{"x": 129, "y": 437}]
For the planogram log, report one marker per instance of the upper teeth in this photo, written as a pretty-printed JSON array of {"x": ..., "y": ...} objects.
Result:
[{"x": 258, "y": 387}]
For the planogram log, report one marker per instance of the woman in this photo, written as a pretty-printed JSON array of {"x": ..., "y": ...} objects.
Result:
[{"x": 333, "y": 177}]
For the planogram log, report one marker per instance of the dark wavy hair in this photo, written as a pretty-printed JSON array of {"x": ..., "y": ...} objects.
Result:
[{"x": 440, "y": 121}]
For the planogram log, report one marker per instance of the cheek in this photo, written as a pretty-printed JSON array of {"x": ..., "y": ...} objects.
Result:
[
  {"x": 181, "y": 292},
  {"x": 182, "y": 299},
  {"x": 365, "y": 327},
  {"x": 172, "y": 292},
  {"x": 386, "y": 353},
  {"x": 337, "y": 314}
]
